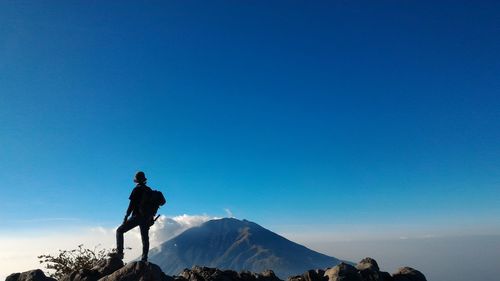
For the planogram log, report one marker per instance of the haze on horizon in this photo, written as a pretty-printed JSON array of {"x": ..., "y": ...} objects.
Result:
[{"x": 331, "y": 124}]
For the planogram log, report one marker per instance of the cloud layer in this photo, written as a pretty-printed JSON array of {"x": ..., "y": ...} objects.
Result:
[
  {"x": 19, "y": 252},
  {"x": 168, "y": 227}
]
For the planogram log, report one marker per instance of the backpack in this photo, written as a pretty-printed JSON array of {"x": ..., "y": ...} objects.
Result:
[{"x": 150, "y": 202}]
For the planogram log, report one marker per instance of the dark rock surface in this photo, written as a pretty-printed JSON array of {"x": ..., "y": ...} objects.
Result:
[
  {"x": 408, "y": 274},
  {"x": 32, "y": 275},
  {"x": 108, "y": 266},
  {"x": 103, "y": 268},
  {"x": 368, "y": 263},
  {"x": 310, "y": 275},
  {"x": 138, "y": 271},
  {"x": 369, "y": 271},
  {"x": 198, "y": 273},
  {"x": 343, "y": 272}
]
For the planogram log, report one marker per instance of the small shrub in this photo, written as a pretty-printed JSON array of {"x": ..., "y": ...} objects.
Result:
[{"x": 68, "y": 261}]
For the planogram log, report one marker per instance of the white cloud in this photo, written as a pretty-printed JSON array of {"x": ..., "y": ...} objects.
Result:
[
  {"x": 18, "y": 252},
  {"x": 166, "y": 227}
]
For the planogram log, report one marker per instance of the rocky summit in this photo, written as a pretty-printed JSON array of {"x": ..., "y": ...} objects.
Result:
[{"x": 113, "y": 269}]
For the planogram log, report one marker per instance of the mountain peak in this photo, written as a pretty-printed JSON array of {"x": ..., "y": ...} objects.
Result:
[{"x": 230, "y": 243}]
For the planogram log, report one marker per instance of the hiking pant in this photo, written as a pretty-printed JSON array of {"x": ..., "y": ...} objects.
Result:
[{"x": 134, "y": 221}]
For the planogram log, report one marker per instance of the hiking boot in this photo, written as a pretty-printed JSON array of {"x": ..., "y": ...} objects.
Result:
[{"x": 116, "y": 255}]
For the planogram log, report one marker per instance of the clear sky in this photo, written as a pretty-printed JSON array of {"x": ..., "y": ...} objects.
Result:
[{"x": 289, "y": 113}]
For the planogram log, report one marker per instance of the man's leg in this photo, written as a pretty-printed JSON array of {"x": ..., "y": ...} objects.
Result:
[
  {"x": 126, "y": 226},
  {"x": 145, "y": 240}
]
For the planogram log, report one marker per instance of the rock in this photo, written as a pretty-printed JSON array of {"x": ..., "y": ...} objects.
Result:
[
  {"x": 368, "y": 263},
  {"x": 315, "y": 275},
  {"x": 310, "y": 275},
  {"x": 296, "y": 278},
  {"x": 138, "y": 271},
  {"x": 103, "y": 268},
  {"x": 186, "y": 274},
  {"x": 81, "y": 275},
  {"x": 369, "y": 271},
  {"x": 343, "y": 272},
  {"x": 246, "y": 275},
  {"x": 267, "y": 275},
  {"x": 32, "y": 275},
  {"x": 13, "y": 277},
  {"x": 408, "y": 274},
  {"x": 108, "y": 266},
  {"x": 385, "y": 276},
  {"x": 179, "y": 278},
  {"x": 369, "y": 275},
  {"x": 198, "y": 273}
]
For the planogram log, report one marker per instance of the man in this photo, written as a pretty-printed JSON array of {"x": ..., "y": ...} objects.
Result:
[{"x": 137, "y": 219}]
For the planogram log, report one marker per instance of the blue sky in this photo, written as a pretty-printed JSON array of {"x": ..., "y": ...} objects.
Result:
[{"x": 288, "y": 113}]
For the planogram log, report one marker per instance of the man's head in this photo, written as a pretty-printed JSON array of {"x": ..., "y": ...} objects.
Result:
[{"x": 140, "y": 177}]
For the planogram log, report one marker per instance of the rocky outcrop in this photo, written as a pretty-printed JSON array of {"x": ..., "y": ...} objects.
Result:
[
  {"x": 108, "y": 266},
  {"x": 310, "y": 275},
  {"x": 369, "y": 271},
  {"x": 368, "y": 264},
  {"x": 408, "y": 274},
  {"x": 343, "y": 272},
  {"x": 113, "y": 269},
  {"x": 366, "y": 270},
  {"x": 198, "y": 273},
  {"x": 32, "y": 275},
  {"x": 138, "y": 271},
  {"x": 103, "y": 268}
]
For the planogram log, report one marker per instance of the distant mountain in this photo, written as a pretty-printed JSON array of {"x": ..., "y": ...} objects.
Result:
[{"x": 238, "y": 245}]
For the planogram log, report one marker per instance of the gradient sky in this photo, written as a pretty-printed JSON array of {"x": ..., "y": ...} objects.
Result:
[{"x": 290, "y": 114}]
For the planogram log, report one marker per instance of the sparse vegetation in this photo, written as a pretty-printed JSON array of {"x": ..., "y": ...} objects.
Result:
[{"x": 67, "y": 261}]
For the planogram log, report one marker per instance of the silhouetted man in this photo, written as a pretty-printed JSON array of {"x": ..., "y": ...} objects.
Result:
[{"x": 137, "y": 219}]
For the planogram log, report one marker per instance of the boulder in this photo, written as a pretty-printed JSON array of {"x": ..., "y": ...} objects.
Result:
[
  {"x": 408, "y": 274},
  {"x": 310, "y": 275},
  {"x": 138, "y": 271},
  {"x": 385, "y": 276},
  {"x": 103, "y": 268},
  {"x": 295, "y": 278},
  {"x": 343, "y": 272},
  {"x": 32, "y": 275},
  {"x": 368, "y": 263},
  {"x": 81, "y": 275},
  {"x": 266, "y": 275},
  {"x": 108, "y": 266},
  {"x": 369, "y": 271},
  {"x": 198, "y": 273},
  {"x": 246, "y": 275}
]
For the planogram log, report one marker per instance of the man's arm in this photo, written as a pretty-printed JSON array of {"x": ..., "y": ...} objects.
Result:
[
  {"x": 131, "y": 204},
  {"x": 129, "y": 210}
]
